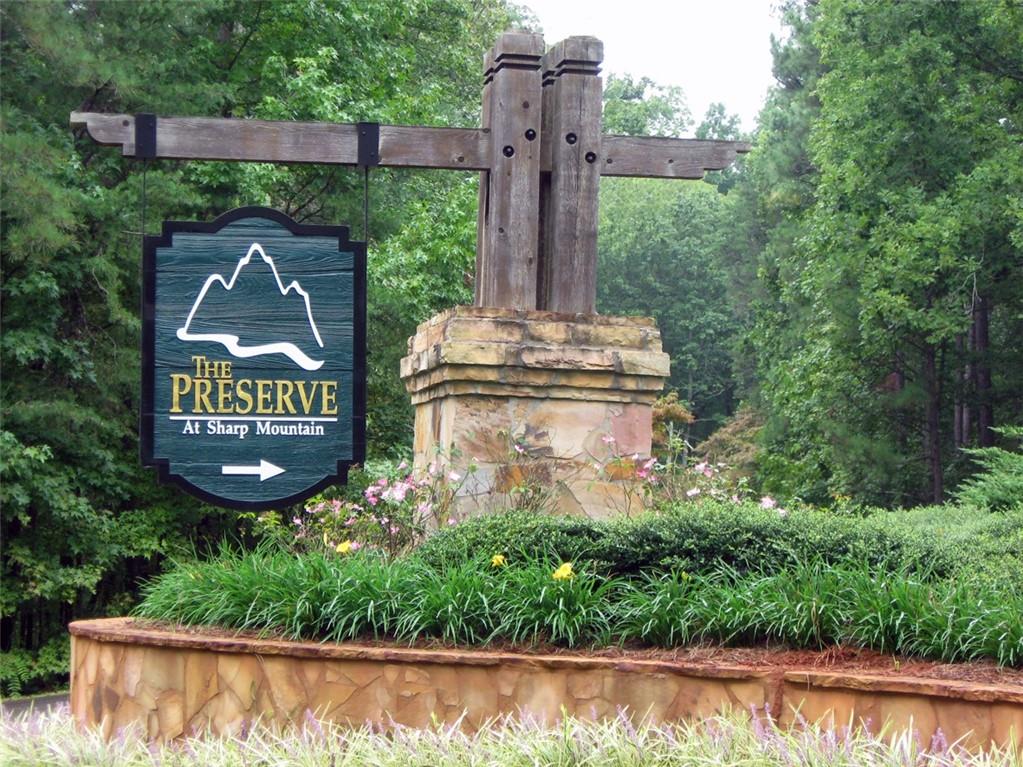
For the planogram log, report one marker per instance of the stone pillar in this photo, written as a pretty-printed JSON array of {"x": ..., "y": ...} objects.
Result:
[{"x": 536, "y": 397}]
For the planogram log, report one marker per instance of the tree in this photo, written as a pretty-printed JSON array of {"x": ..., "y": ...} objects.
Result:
[
  {"x": 888, "y": 273},
  {"x": 644, "y": 108},
  {"x": 659, "y": 244},
  {"x": 81, "y": 521}
]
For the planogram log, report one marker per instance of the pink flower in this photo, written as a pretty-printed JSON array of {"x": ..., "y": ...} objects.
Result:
[
  {"x": 649, "y": 464},
  {"x": 693, "y": 492},
  {"x": 372, "y": 500},
  {"x": 454, "y": 476},
  {"x": 519, "y": 449},
  {"x": 394, "y": 529},
  {"x": 767, "y": 502},
  {"x": 734, "y": 499},
  {"x": 642, "y": 473},
  {"x": 402, "y": 466},
  {"x": 424, "y": 508},
  {"x": 296, "y": 521},
  {"x": 350, "y": 521},
  {"x": 396, "y": 492},
  {"x": 451, "y": 521},
  {"x": 607, "y": 439},
  {"x": 355, "y": 546}
]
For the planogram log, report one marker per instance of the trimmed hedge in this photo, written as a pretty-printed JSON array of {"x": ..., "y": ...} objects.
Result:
[{"x": 934, "y": 543}]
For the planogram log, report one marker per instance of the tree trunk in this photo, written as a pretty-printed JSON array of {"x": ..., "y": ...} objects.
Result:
[
  {"x": 932, "y": 433},
  {"x": 985, "y": 411},
  {"x": 959, "y": 405}
]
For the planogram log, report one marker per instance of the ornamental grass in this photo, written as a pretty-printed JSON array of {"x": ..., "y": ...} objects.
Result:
[
  {"x": 324, "y": 596},
  {"x": 736, "y": 740}
]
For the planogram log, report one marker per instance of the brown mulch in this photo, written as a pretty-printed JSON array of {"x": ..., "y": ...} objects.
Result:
[{"x": 838, "y": 658}]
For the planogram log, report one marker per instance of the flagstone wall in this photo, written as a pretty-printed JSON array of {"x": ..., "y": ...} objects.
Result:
[{"x": 172, "y": 683}]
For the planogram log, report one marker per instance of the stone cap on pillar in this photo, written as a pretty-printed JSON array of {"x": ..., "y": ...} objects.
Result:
[{"x": 521, "y": 353}]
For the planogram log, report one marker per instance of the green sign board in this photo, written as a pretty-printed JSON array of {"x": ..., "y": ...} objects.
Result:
[{"x": 254, "y": 357}]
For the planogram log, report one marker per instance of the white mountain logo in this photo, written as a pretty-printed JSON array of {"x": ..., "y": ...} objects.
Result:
[{"x": 231, "y": 342}]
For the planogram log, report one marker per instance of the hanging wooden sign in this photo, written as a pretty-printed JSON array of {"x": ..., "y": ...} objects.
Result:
[{"x": 254, "y": 357}]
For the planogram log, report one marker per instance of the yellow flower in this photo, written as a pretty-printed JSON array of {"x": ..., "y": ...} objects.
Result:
[
  {"x": 345, "y": 547},
  {"x": 564, "y": 572},
  {"x": 498, "y": 560},
  {"x": 325, "y": 542}
]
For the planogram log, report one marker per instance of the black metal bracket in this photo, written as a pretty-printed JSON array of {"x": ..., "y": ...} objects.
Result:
[
  {"x": 145, "y": 136},
  {"x": 369, "y": 144}
]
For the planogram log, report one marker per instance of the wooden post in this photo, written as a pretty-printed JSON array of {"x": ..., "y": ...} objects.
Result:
[
  {"x": 506, "y": 247},
  {"x": 572, "y": 98}
]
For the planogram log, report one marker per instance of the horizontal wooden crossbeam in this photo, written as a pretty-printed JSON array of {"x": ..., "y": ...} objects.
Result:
[{"x": 200, "y": 138}]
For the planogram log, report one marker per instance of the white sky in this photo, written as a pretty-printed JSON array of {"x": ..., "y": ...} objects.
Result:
[{"x": 716, "y": 50}]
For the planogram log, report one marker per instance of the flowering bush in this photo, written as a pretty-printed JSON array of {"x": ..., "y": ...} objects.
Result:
[
  {"x": 669, "y": 480},
  {"x": 394, "y": 514}
]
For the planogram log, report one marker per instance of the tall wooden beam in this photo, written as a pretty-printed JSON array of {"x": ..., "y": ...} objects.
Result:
[
  {"x": 506, "y": 243},
  {"x": 572, "y": 100}
]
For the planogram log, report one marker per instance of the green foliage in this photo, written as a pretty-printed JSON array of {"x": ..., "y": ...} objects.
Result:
[
  {"x": 999, "y": 485},
  {"x": 812, "y": 604},
  {"x": 883, "y": 206},
  {"x": 23, "y": 672},
  {"x": 643, "y": 108},
  {"x": 660, "y": 249},
  {"x": 81, "y": 521},
  {"x": 515, "y": 534},
  {"x": 807, "y": 603},
  {"x": 533, "y": 607},
  {"x": 933, "y": 543}
]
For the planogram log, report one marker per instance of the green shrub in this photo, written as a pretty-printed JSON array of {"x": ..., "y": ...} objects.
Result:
[
  {"x": 513, "y": 533},
  {"x": 23, "y": 672},
  {"x": 934, "y": 543},
  {"x": 999, "y": 484}
]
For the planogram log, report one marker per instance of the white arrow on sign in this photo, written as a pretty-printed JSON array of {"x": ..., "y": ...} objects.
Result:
[{"x": 264, "y": 471}]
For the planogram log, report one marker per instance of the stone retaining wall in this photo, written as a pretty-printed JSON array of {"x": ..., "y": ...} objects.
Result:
[{"x": 172, "y": 683}]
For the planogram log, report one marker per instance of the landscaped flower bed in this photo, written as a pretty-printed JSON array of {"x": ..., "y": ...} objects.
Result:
[
  {"x": 478, "y": 621},
  {"x": 861, "y": 586}
]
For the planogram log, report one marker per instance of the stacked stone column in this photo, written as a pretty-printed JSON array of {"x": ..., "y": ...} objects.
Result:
[{"x": 562, "y": 400}]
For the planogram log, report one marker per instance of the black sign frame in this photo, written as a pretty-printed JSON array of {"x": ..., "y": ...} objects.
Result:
[{"x": 147, "y": 415}]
